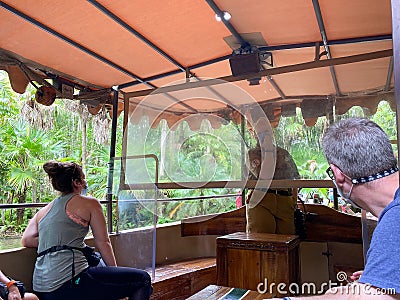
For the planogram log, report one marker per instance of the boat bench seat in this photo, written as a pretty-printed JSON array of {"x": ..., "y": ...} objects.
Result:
[{"x": 182, "y": 279}]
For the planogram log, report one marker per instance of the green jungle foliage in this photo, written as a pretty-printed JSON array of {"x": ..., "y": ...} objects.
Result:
[{"x": 32, "y": 134}]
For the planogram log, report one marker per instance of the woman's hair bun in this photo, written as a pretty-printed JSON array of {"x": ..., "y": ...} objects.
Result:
[{"x": 52, "y": 167}]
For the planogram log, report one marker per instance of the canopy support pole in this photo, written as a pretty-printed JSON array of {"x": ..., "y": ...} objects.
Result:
[
  {"x": 112, "y": 160},
  {"x": 243, "y": 154},
  {"x": 396, "y": 58}
]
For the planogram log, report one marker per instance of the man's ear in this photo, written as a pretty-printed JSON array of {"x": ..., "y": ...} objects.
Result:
[{"x": 339, "y": 177}]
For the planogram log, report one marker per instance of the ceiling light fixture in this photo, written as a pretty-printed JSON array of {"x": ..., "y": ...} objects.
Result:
[{"x": 227, "y": 16}]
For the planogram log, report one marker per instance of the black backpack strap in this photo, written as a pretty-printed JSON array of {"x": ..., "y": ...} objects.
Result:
[
  {"x": 56, "y": 249},
  {"x": 63, "y": 247}
]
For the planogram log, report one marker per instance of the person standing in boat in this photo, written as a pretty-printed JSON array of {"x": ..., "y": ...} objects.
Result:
[
  {"x": 13, "y": 290},
  {"x": 65, "y": 274},
  {"x": 364, "y": 169},
  {"x": 272, "y": 210}
]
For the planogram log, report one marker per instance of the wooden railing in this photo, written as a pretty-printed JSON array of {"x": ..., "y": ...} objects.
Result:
[{"x": 322, "y": 224}]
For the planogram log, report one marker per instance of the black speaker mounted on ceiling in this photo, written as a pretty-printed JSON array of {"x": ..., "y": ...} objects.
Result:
[{"x": 242, "y": 64}]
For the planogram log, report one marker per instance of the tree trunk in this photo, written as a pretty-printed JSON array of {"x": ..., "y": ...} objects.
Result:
[
  {"x": 34, "y": 193},
  {"x": 20, "y": 211}
]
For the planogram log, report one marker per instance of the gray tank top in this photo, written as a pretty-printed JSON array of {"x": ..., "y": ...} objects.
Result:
[{"x": 56, "y": 228}]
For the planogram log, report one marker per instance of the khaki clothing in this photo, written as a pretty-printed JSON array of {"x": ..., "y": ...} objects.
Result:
[{"x": 271, "y": 212}]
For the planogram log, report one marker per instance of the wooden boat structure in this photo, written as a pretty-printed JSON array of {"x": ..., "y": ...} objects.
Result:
[{"x": 174, "y": 61}]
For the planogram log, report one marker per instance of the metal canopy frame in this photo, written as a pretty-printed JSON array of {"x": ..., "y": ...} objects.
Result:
[
  {"x": 322, "y": 30},
  {"x": 187, "y": 69},
  {"x": 265, "y": 48},
  {"x": 156, "y": 48},
  {"x": 268, "y": 72},
  {"x": 118, "y": 20},
  {"x": 73, "y": 43},
  {"x": 243, "y": 42}
]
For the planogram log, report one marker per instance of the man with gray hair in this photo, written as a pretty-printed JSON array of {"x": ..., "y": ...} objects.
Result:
[{"x": 364, "y": 169}]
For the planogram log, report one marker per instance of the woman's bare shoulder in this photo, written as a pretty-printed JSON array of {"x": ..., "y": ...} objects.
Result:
[
  {"x": 89, "y": 200},
  {"x": 44, "y": 210}
]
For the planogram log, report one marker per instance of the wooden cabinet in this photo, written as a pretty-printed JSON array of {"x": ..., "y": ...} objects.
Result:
[{"x": 244, "y": 260}]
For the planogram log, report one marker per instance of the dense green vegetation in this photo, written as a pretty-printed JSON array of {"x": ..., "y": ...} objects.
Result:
[{"x": 32, "y": 134}]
